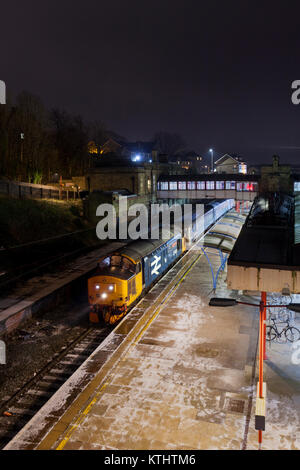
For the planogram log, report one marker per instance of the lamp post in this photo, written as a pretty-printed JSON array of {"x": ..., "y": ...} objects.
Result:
[
  {"x": 22, "y": 137},
  {"x": 260, "y": 416},
  {"x": 212, "y": 160}
]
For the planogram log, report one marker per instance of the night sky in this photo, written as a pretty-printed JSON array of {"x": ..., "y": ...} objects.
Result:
[{"x": 219, "y": 73}]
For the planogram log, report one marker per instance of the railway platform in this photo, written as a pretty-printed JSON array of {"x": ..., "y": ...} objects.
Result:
[{"x": 174, "y": 375}]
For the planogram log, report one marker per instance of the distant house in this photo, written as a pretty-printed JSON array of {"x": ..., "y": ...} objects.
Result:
[
  {"x": 191, "y": 161},
  {"x": 112, "y": 146},
  {"x": 188, "y": 160},
  {"x": 231, "y": 165}
]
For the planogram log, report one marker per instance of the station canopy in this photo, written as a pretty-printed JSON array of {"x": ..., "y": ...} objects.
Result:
[
  {"x": 266, "y": 256},
  {"x": 220, "y": 240},
  {"x": 224, "y": 234}
]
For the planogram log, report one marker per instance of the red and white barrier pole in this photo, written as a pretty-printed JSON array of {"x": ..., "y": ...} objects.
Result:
[{"x": 260, "y": 417}]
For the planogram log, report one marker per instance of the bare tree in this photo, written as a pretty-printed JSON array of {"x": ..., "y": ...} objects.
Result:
[
  {"x": 169, "y": 144},
  {"x": 98, "y": 134}
]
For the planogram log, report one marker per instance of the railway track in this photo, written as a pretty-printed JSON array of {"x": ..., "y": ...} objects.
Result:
[{"x": 18, "y": 409}]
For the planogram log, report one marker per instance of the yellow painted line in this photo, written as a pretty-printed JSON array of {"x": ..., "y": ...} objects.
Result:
[
  {"x": 80, "y": 419},
  {"x": 99, "y": 393}
]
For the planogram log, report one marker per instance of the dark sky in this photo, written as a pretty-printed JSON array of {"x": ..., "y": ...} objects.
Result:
[{"x": 217, "y": 72}]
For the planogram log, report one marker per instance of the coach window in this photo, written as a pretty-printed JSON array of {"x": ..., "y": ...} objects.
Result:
[
  {"x": 220, "y": 185},
  {"x": 164, "y": 186},
  {"x": 240, "y": 187},
  {"x": 173, "y": 186},
  {"x": 210, "y": 185}
]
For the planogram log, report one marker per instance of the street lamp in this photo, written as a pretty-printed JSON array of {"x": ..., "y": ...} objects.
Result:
[
  {"x": 212, "y": 160},
  {"x": 22, "y": 137},
  {"x": 260, "y": 415}
]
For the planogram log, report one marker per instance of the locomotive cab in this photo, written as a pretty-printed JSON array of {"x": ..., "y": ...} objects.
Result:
[{"x": 116, "y": 285}]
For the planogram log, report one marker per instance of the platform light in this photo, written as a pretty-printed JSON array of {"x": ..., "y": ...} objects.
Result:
[
  {"x": 223, "y": 303},
  {"x": 294, "y": 308}
]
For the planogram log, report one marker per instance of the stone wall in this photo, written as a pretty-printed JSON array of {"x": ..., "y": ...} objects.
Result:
[{"x": 276, "y": 178}]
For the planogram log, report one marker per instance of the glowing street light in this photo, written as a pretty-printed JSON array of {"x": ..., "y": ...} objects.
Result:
[{"x": 212, "y": 160}]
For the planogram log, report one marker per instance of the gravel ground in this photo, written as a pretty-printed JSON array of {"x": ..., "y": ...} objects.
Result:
[{"x": 34, "y": 345}]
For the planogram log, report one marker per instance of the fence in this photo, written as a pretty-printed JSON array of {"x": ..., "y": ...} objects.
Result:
[{"x": 36, "y": 191}]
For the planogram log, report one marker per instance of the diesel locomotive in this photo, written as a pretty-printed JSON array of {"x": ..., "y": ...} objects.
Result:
[{"x": 122, "y": 277}]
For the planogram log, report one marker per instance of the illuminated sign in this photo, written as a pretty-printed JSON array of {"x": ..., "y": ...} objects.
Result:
[{"x": 243, "y": 168}]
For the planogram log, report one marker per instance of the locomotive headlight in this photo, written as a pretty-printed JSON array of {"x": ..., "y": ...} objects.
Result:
[
  {"x": 97, "y": 287},
  {"x": 104, "y": 296},
  {"x": 110, "y": 288}
]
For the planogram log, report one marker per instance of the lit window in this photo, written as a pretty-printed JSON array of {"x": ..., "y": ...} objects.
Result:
[
  {"x": 191, "y": 186},
  {"x": 182, "y": 186},
  {"x": 297, "y": 187},
  {"x": 251, "y": 187},
  {"x": 201, "y": 185},
  {"x": 220, "y": 185},
  {"x": 210, "y": 185},
  {"x": 230, "y": 185},
  {"x": 243, "y": 168},
  {"x": 173, "y": 186}
]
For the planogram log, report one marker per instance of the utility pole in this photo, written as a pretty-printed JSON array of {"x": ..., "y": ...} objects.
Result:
[{"x": 22, "y": 136}]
